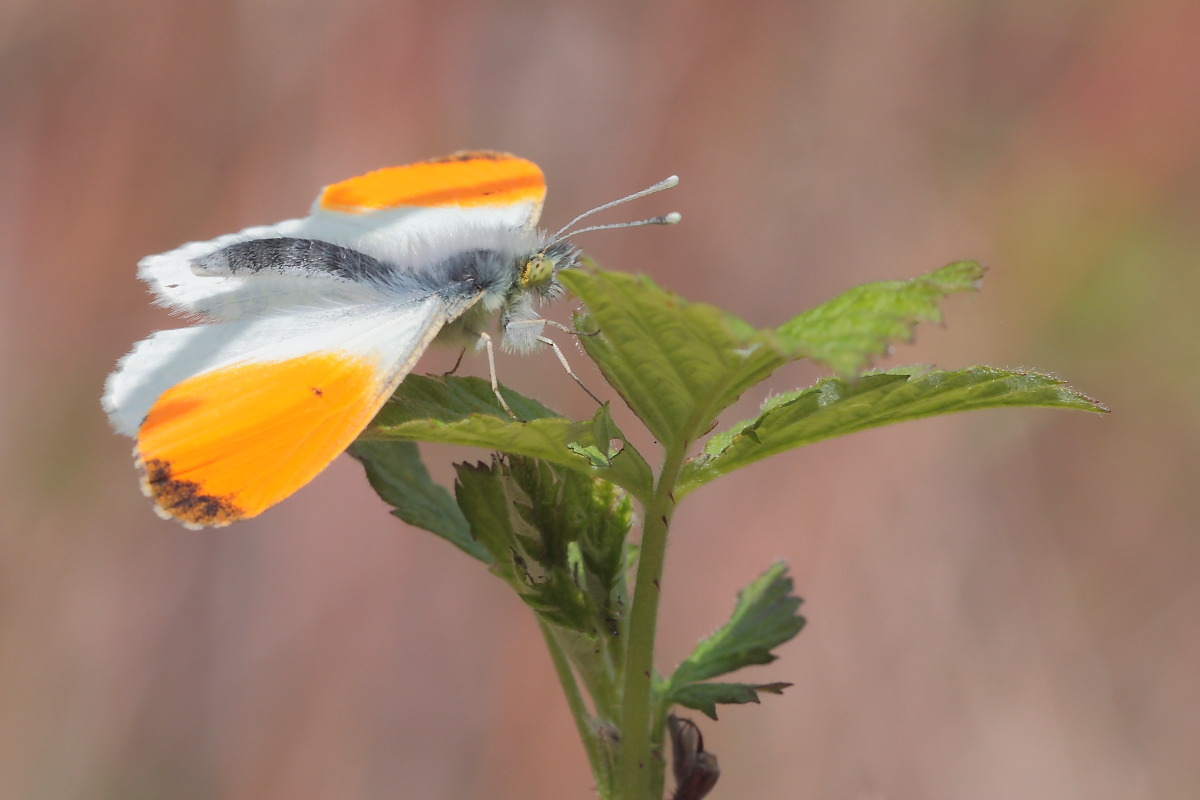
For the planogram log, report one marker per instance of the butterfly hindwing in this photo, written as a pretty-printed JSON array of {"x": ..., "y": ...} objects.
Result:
[{"x": 231, "y": 418}]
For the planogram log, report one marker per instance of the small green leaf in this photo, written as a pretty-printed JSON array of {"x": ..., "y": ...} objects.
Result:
[
  {"x": 603, "y": 545},
  {"x": 835, "y": 407},
  {"x": 704, "y": 696},
  {"x": 593, "y": 454},
  {"x": 676, "y": 364},
  {"x": 399, "y": 477},
  {"x": 606, "y": 440},
  {"x": 456, "y": 410},
  {"x": 850, "y": 330},
  {"x": 764, "y": 618}
]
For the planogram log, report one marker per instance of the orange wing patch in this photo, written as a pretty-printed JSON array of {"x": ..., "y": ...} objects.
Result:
[
  {"x": 475, "y": 178},
  {"x": 228, "y": 444}
]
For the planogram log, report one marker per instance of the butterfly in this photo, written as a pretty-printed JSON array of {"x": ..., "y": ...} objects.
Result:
[{"x": 307, "y": 327}]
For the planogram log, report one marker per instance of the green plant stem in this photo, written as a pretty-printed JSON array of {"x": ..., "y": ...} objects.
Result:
[
  {"x": 636, "y": 768},
  {"x": 566, "y": 677},
  {"x": 658, "y": 725}
]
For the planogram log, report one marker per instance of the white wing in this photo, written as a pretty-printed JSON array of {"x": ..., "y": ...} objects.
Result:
[
  {"x": 231, "y": 418},
  {"x": 407, "y": 218},
  {"x": 395, "y": 335}
]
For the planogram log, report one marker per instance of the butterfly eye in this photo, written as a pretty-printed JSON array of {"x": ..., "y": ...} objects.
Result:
[{"x": 537, "y": 270}]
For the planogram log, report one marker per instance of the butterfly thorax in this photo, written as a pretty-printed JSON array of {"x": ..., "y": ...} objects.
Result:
[{"x": 510, "y": 285}]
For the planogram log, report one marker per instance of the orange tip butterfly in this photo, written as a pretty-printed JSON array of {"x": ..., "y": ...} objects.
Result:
[{"x": 309, "y": 325}]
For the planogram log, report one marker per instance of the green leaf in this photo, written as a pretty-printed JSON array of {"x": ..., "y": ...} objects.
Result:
[
  {"x": 679, "y": 364},
  {"x": 704, "y": 696},
  {"x": 835, "y": 407},
  {"x": 447, "y": 399},
  {"x": 398, "y": 476},
  {"x": 464, "y": 411},
  {"x": 603, "y": 544},
  {"x": 555, "y": 534},
  {"x": 764, "y": 618},
  {"x": 676, "y": 364},
  {"x": 858, "y": 325},
  {"x": 484, "y": 503}
]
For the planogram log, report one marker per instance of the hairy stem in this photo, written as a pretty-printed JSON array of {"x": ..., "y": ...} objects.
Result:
[{"x": 638, "y": 770}]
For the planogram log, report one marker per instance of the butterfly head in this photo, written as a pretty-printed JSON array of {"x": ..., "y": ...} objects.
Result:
[
  {"x": 536, "y": 274},
  {"x": 558, "y": 252},
  {"x": 539, "y": 269}
]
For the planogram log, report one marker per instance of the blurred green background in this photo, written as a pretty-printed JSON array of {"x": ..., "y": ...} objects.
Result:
[{"x": 1001, "y": 605}]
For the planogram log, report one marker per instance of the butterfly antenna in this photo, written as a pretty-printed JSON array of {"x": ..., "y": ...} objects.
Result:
[{"x": 665, "y": 219}]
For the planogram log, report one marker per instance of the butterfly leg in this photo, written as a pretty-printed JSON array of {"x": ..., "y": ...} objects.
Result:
[
  {"x": 457, "y": 363},
  {"x": 491, "y": 357},
  {"x": 566, "y": 329},
  {"x": 563, "y": 360},
  {"x": 519, "y": 325}
]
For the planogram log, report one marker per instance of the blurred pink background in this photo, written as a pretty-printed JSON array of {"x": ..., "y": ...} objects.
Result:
[{"x": 1000, "y": 605}]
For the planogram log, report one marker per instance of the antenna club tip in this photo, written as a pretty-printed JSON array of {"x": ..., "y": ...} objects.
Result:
[
  {"x": 670, "y": 182},
  {"x": 673, "y": 218}
]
